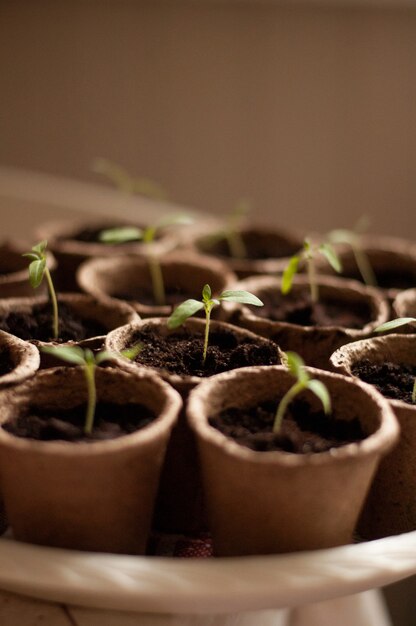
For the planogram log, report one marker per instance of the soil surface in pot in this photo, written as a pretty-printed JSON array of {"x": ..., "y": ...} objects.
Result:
[
  {"x": 302, "y": 432},
  {"x": 298, "y": 308},
  {"x": 393, "y": 380},
  {"x": 388, "y": 279},
  {"x": 92, "y": 235},
  {"x": 257, "y": 248},
  {"x": 181, "y": 353},
  {"x": 111, "y": 421},
  {"x": 38, "y": 324},
  {"x": 6, "y": 364}
]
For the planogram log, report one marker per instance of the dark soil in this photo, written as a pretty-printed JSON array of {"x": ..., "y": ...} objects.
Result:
[
  {"x": 258, "y": 247},
  {"x": 181, "y": 352},
  {"x": 302, "y": 431},
  {"x": 111, "y": 421},
  {"x": 38, "y": 324},
  {"x": 297, "y": 308},
  {"x": 6, "y": 364},
  {"x": 92, "y": 235},
  {"x": 393, "y": 380},
  {"x": 389, "y": 279}
]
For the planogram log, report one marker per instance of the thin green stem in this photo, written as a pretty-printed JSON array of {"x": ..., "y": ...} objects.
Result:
[
  {"x": 284, "y": 403},
  {"x": 158, "y": 284},
  {"x": 236, "y": 245},
  {"x": 364, "y": 267},
  {"x": 54, "y": 301},
  {"x": 312, "y": 280},
  {"x": 208, "y": 308},
  {"x": 89, "y": 370},
  {"x": 414, "y": 392}
]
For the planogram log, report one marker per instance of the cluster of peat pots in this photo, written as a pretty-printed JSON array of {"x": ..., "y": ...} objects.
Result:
[{"x": 273, "y": 412}]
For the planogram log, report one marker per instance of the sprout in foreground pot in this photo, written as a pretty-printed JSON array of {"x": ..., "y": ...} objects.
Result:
[
  {"x": 306, "y": 256},
  {"x": 191, "y": 306},
  {"x": 296, "y": 367},
  {"x": 393, "y": 325},
  {"x": 38, "y": 270},
  {"x": 89, "y": 361},
  {"x": 353, "y": 238},
  {"x": 147, "y": 235}
]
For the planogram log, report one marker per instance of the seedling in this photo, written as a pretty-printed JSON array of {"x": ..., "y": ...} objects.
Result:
[
  {"x": 127, "y": 183},
  {"x": 307, "y": 256},
  {"x": 89, "y": 361},
  {"x": 296, "y": 367},
  {"x": 190, "y": 307},
  {"x": 38, "y": 270},
  {"x": 353, "y": 238},
  {"x": 232, "y": 230},
  {"x": 147, "y": 235},
  {"x": 392, "y": 325}
]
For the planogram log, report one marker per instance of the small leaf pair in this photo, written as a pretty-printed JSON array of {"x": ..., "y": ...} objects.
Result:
[
  {"x": 191, "y": 306},
  {"x": 38, "y": 270}
]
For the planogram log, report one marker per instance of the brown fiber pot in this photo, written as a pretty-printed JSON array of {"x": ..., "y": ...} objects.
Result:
[
  {"x": 392, "y": 260},
  {"x": 180, "y": 505},
  {"x": 70, "y": 253},
  {"x": 183, "y": 273},
  {"x": 25, "y": 359},
  {"x": 404, "y": 305},
  {"x": 14, "y": 272},
  {"x": 85, "y": 496},
  {"x": 314, "y": 343},
  {"x": 271, "y": 502},
  {"x": 391, "y": 505},
  {"x": 110, "y": 314},
  {"x": 269, "y": 239}
]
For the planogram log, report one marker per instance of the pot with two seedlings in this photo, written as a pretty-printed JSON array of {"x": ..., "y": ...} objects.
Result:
[
  {"x": 81, "y": 453},
  {"x": 287, "y": 456}
]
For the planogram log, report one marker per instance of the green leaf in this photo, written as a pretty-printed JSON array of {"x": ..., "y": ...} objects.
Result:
[
  {"x": 206, "y": 293},
  {"x": 36, "y": 272},
  {"x": 71, "y": 354},
  {"x": 176, "y": 219},
  {"x": 40, "y": 247},
  {"x": 400, "y": 321},
  {"x": 183, "y": 311},
  {"x": 331, "y": 256},
  {"x": 342, "y": 235},
  {"x": 32, "y": 256},
  {"x": 296, "y": 366},
  {"x": 131, "y": 353},
  {"x": 321, "y": 392},
  {"x": 289, "y": 274},
  {"x": 243, "y": 297},
  {"x": 121, "y": 235}
]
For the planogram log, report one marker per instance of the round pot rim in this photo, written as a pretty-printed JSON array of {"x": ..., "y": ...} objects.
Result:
[
  {"x": 378, "y": 441},
  {"x": 29, "y": 363},
  {"x": 69, "y": 298},
  {"x": 400, "y": 301},
  {"x": 345, "y": 350},
  {"x": 192, "y": 322},
  {"x": 329, "y": 283},
  {"x": 166, "y": 418}
]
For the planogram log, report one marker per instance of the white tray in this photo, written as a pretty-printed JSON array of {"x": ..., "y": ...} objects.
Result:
[{"x": 173, "y": 585}]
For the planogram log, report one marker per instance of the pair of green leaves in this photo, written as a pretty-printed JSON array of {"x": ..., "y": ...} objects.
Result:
[
  {"x": 37, "y": 266},
  {"x": 125, "y": 234},
  {"x": 307, "y": 255},
  {"x": 127, "y": 183},
  {"x": 296, "y": 367}
]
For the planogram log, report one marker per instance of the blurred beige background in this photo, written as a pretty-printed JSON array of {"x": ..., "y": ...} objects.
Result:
[{"x": 308, "y": 110}]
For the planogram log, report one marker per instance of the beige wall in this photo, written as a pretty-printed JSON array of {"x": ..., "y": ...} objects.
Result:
[{"x": 309, "y": 111}]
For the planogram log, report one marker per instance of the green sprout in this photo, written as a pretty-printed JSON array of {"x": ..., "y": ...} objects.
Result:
[
  {"x": 127, "y": 183},
  {"x": 231, "y": 232},
  {"x": 38, "y": 270},
  {"x": 307, "y": 256},
  {"x": 296, "y": 367},
  {"x": 147, "y": 235},
  {"x": 392, "y": 325},
  {"x": 353, "y": 238},
  {"x": 190, "y": 307},
  {"x": 89, "y": 361}
]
